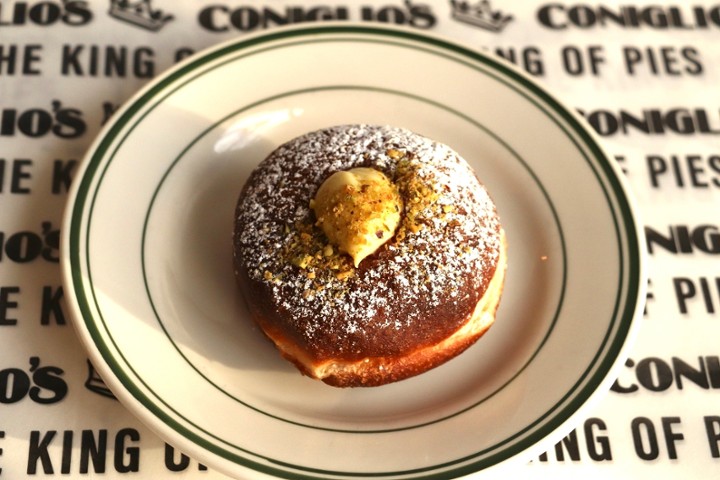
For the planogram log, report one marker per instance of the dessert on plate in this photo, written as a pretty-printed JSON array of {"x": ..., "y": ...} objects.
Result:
[{"x": 368, "y": 254}]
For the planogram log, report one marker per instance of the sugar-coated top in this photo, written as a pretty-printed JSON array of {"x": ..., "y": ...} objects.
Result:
[{"x": 416, "y": 289}]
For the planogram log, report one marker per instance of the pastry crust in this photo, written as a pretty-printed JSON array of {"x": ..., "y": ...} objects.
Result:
[{"x": 422, "y": 298}]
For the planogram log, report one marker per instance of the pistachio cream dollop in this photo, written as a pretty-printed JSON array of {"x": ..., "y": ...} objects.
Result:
[{"x": 359, "y": 210}]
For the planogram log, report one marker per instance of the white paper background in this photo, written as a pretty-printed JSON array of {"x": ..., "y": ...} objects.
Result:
[{"x": 677, "y": 420}]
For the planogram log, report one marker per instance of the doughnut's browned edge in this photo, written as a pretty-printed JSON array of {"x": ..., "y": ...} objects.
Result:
[{"x": 375, "y": 371}]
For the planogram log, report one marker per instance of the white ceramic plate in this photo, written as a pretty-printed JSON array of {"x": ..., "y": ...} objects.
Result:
[{"x": 147, "y": 257}]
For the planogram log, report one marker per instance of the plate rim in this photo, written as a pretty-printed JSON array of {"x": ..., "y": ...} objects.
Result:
[{"x": 625, "y": 209}]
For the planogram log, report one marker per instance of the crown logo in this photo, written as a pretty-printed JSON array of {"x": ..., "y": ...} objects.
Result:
[
  {"x": 479, "y": 14},
  {"x": 139, "y": 13},
  {"x": 95, "y": 384}
]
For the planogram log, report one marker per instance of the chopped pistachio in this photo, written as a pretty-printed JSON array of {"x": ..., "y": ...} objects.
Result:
[{"x": 351, "y": 206}]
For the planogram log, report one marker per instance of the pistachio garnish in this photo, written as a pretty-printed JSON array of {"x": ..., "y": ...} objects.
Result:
[{"x": 359, "y": 210}]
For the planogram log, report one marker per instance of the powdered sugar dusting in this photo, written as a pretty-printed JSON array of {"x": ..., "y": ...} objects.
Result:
[{"x": 420, "y": 287}]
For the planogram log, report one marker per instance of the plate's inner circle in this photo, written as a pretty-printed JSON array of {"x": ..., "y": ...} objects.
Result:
[{"x": 187, "y": 242}]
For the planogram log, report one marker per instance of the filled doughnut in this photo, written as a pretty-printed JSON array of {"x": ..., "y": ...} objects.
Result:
[{"x": 368, "y": 254}]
